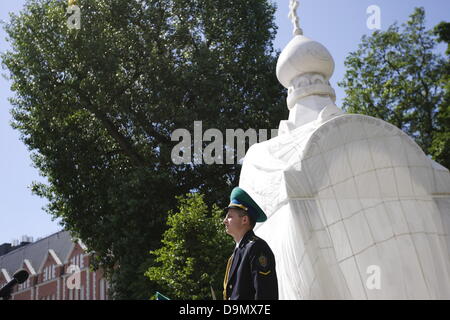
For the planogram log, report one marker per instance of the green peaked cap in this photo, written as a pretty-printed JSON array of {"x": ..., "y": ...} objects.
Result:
[{"x": 240, "y": 199}]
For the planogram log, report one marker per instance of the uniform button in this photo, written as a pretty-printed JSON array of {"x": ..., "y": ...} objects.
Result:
[{"x": 231, "y": 286}]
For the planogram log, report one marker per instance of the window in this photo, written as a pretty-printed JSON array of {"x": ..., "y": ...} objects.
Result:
[
  {"x": 81, "y": 292},
  {"x": 102, "y": 289},
  {"x": 78, "y": 260},
  {"x": 44, "y": 274},
  {"x": 24, "y": 285},
  {"x": 49, "y": 273}
]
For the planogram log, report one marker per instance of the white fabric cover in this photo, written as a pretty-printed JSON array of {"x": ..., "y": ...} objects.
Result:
[{"x": 346, "y": 194}]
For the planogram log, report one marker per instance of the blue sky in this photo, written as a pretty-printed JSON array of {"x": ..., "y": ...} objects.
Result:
[{"x": 337, "y": 24}]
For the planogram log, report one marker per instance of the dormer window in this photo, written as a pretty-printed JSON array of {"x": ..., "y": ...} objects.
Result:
[
  {"x": 78, "y": 261},
  {"x": 24, "y": 286},
  {"x": 49, "y": 273}
]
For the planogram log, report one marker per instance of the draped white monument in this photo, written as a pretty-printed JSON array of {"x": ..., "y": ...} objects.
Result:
[{"x": 355, "y": 208}]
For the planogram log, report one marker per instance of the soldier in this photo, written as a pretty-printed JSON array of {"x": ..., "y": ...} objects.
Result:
[{"x": 250, "y": 273}]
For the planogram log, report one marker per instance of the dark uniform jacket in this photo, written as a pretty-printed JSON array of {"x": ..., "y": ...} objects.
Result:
[{"x": 251, "y": 271}]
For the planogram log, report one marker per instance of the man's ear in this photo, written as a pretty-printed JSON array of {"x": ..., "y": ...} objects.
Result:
[{"x": 246, "y": 219}]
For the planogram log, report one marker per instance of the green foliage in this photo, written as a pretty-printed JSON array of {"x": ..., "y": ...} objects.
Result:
[
  {"x": 440, "y": 148},
  {"x": 97, "y": 106},
  {"x": 194, "y": 252},
  {"x": 396, "y": 75},
  {"x": 442, "y": 30}
]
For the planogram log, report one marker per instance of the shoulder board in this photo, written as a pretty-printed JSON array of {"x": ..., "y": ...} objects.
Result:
[{"x": 252, "y": 240}]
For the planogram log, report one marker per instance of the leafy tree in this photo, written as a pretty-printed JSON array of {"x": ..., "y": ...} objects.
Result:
[
  {"x": 97, "y": 106},
  {"x": 442, "y": 30},
  {"x": 441, "y": 142},
  {"x": 396, "y": 75},
  {"x": 195, "y": 250}
]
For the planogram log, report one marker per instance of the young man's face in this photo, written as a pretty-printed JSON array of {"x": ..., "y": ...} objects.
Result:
[{"x": 234, "y": 223}]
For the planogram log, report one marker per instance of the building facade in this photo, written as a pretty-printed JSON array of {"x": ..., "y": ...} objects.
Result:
[{"x": 58, "y": 268}]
